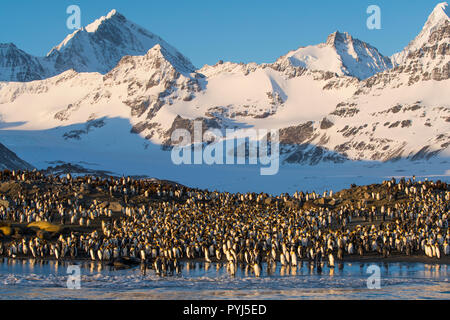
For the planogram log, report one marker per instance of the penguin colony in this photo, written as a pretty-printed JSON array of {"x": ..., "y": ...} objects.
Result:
[{"x": 161, "y": 224}]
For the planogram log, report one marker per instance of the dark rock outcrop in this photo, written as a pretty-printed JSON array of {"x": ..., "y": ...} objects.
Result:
[{"x": 9, "y": 160}]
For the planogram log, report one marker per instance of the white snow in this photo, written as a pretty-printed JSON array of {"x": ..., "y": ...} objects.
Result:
[
  {"x": 94, "y": 25},
  {"x": 341, "y": 54},
  {"x": 97, "y": 47},
  {"x": 437, "y": 18},
  {"x": 319, "y": 57},
  {"x": 38, "y": 118}
]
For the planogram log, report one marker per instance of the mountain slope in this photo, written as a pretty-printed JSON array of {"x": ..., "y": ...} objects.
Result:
[
  {"x": 17, "y": 65},
  {"x": 403, "y": 112},
  {"x": 96, "y": 48},
  {"x": 323, "y": 115},
  {"x": 9, "y": 160},
  {"x": 99, "y": 46},
  {"x": 438, "y": 19},
  {"x": 341, "y": 54}
]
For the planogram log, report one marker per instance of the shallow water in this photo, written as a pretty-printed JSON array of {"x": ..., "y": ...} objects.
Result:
[{"x": 29, "y": 279}]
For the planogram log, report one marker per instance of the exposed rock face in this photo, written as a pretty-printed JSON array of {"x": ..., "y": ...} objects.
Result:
[
  {"x": 298, "y": 134},
  {"x": 346, "y": 110},
  {"x": 312, "y": 155},
  {"x": 188, "y": 124},
  {"x": 17, "y": 65},
  {"x": 90, "y": 125},
  {"x": 68, "y": 168},
  {"x": 326, "y": 124}
]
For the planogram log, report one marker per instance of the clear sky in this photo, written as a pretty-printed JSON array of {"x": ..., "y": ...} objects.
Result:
[{"x": 234, "y": 30}]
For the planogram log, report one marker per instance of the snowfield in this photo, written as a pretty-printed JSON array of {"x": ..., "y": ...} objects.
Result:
[{"x": 109, "y": 96}]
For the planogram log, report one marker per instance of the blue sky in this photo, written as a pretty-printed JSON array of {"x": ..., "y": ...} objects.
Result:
[{"x": 234, "y": 30}]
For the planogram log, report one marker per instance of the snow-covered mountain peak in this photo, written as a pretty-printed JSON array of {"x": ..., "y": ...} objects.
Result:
[
  {"x": 112, "y": 17},
  {"x": 438, "y": 18},
  {"x": 157, "y": 57},
  {"x": 175, "y": 59},
  {"x": 111, "y": 13},
  {"x": 7, "y": 45},
  {"x": 341, "y": 54},
  {"x": 17, "y": 65},
  {"x": 99, "y": 46},
  {"x": 8, "y": 49},
  {"x": 440, "y": 13},
  {"x": 338, "y": 37}
]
